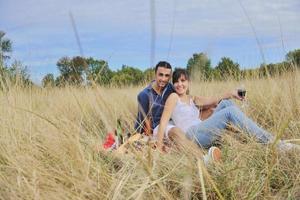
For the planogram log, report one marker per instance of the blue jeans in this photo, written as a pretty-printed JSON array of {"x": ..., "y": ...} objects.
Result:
[{"x": 209, "y": 130}]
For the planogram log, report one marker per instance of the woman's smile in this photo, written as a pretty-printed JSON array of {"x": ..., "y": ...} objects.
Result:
[{"x": 181, "y": 85}]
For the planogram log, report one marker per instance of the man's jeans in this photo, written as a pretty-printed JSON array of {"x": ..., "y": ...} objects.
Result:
[{"x": 209, "y": 130}]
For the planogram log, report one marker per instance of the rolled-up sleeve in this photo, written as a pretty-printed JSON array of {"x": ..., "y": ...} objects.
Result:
[{"x": 143, "y": 109}]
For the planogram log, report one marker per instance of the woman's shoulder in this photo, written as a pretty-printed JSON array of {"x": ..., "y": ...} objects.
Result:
[{"x": 173, "y": 96}]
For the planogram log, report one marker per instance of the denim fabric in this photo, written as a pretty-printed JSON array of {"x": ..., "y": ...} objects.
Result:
[{"x": 209, "y": 130}]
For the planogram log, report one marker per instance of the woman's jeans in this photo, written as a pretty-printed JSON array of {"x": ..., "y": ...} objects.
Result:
[{"x": 209, "y": 130}]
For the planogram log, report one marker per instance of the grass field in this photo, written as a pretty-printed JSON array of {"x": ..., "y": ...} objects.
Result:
[{"x": 48, "y": 136}]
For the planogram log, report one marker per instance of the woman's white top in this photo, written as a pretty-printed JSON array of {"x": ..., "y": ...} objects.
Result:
[{"x": 185, "y": 115}]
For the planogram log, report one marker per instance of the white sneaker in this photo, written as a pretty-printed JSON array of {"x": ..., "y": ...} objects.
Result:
[
  {"x": 286, "y": 146},
  {"x": 213, "y": 155}
]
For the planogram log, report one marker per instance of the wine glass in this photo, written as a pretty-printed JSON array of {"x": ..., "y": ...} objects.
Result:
[{"x": 242, "y": 93}]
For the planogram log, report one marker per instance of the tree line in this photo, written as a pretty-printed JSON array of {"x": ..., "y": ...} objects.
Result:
[
  {"x": 88, "y": 71},
  {"x": 82, "y": 71},
  {"x": 200, "y": 68}
]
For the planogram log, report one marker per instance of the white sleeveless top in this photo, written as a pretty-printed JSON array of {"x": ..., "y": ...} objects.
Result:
[{"x": 185, "y": 115}]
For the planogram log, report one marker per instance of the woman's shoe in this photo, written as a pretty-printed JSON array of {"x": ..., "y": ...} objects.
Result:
[
  {"x": 286, "y": 146},
  {"x": 213, "y": 155}
]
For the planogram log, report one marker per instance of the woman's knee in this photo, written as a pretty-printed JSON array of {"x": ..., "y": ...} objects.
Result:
[
  {"x": 201, "y": 137},
  {"x": 232, "y": 112},
  {"x": 203, "y": 142}
]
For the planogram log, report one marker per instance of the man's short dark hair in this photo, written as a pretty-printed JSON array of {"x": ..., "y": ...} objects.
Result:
[{"x": 163, "y": 64}]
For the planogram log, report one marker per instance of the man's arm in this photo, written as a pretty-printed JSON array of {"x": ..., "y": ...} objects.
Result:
[{"x": 143, "y": 123}]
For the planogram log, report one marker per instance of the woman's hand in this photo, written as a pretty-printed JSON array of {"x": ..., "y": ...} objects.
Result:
[
  {"x": 161, "y": 147},
  {"x": 235, "y": 95}
]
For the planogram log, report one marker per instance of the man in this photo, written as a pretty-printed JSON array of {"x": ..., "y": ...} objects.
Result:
[{"x": 151, "y": 100}]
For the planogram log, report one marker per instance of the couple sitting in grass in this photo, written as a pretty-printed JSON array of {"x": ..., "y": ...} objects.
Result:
[{"x": 167, "y": 111}]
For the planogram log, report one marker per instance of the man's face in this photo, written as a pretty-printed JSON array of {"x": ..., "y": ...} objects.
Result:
[{"x": 162, "y": 76}]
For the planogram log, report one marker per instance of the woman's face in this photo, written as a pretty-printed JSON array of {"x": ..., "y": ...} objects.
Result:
[{"x": 181, "y": 85}]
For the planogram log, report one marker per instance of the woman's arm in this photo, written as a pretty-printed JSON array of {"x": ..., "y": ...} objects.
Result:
[
  {"x": 166, "y": 115},
  {"x": 206, "y": 102}
]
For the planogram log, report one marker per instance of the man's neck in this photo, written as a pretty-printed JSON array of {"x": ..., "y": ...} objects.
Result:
[{"x": 157, "y": 89}]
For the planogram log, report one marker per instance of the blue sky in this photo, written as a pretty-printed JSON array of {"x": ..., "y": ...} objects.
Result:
[{"x": 119, "y": 31}]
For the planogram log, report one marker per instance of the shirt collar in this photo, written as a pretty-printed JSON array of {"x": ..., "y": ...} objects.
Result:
[{"x": 149, "y": 88}]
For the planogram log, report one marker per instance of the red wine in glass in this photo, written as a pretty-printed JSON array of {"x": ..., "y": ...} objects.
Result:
[{"x": 242, "y": 93}]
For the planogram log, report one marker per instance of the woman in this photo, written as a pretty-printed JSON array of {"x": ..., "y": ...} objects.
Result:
[{"x": 182, "y": 108}]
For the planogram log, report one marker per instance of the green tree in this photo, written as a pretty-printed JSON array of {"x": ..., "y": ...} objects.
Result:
[
  {"x": 48, "y": 80},
  {"x": 72, "y": 70},
  {"x": 5, "y": 47},
  {"x": 226, "y": 69},
  {"x": 199, "y": 67},
  {"x": 294, "y": 57},
  {"x": 149, "y": 74},
  {"x": 19, "y": 72},
  {"x": 16, "y": 74},
  {"x": 98, "y": 72},
  {"x": 273, "y": 69},
  {"x": 60, "y": 81},
  {"x": 127, "y": 76},
  {"x": 250, "y": 73}
]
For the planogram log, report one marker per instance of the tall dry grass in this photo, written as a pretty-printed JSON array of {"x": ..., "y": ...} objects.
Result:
[{"x": 48, "y": 137}]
